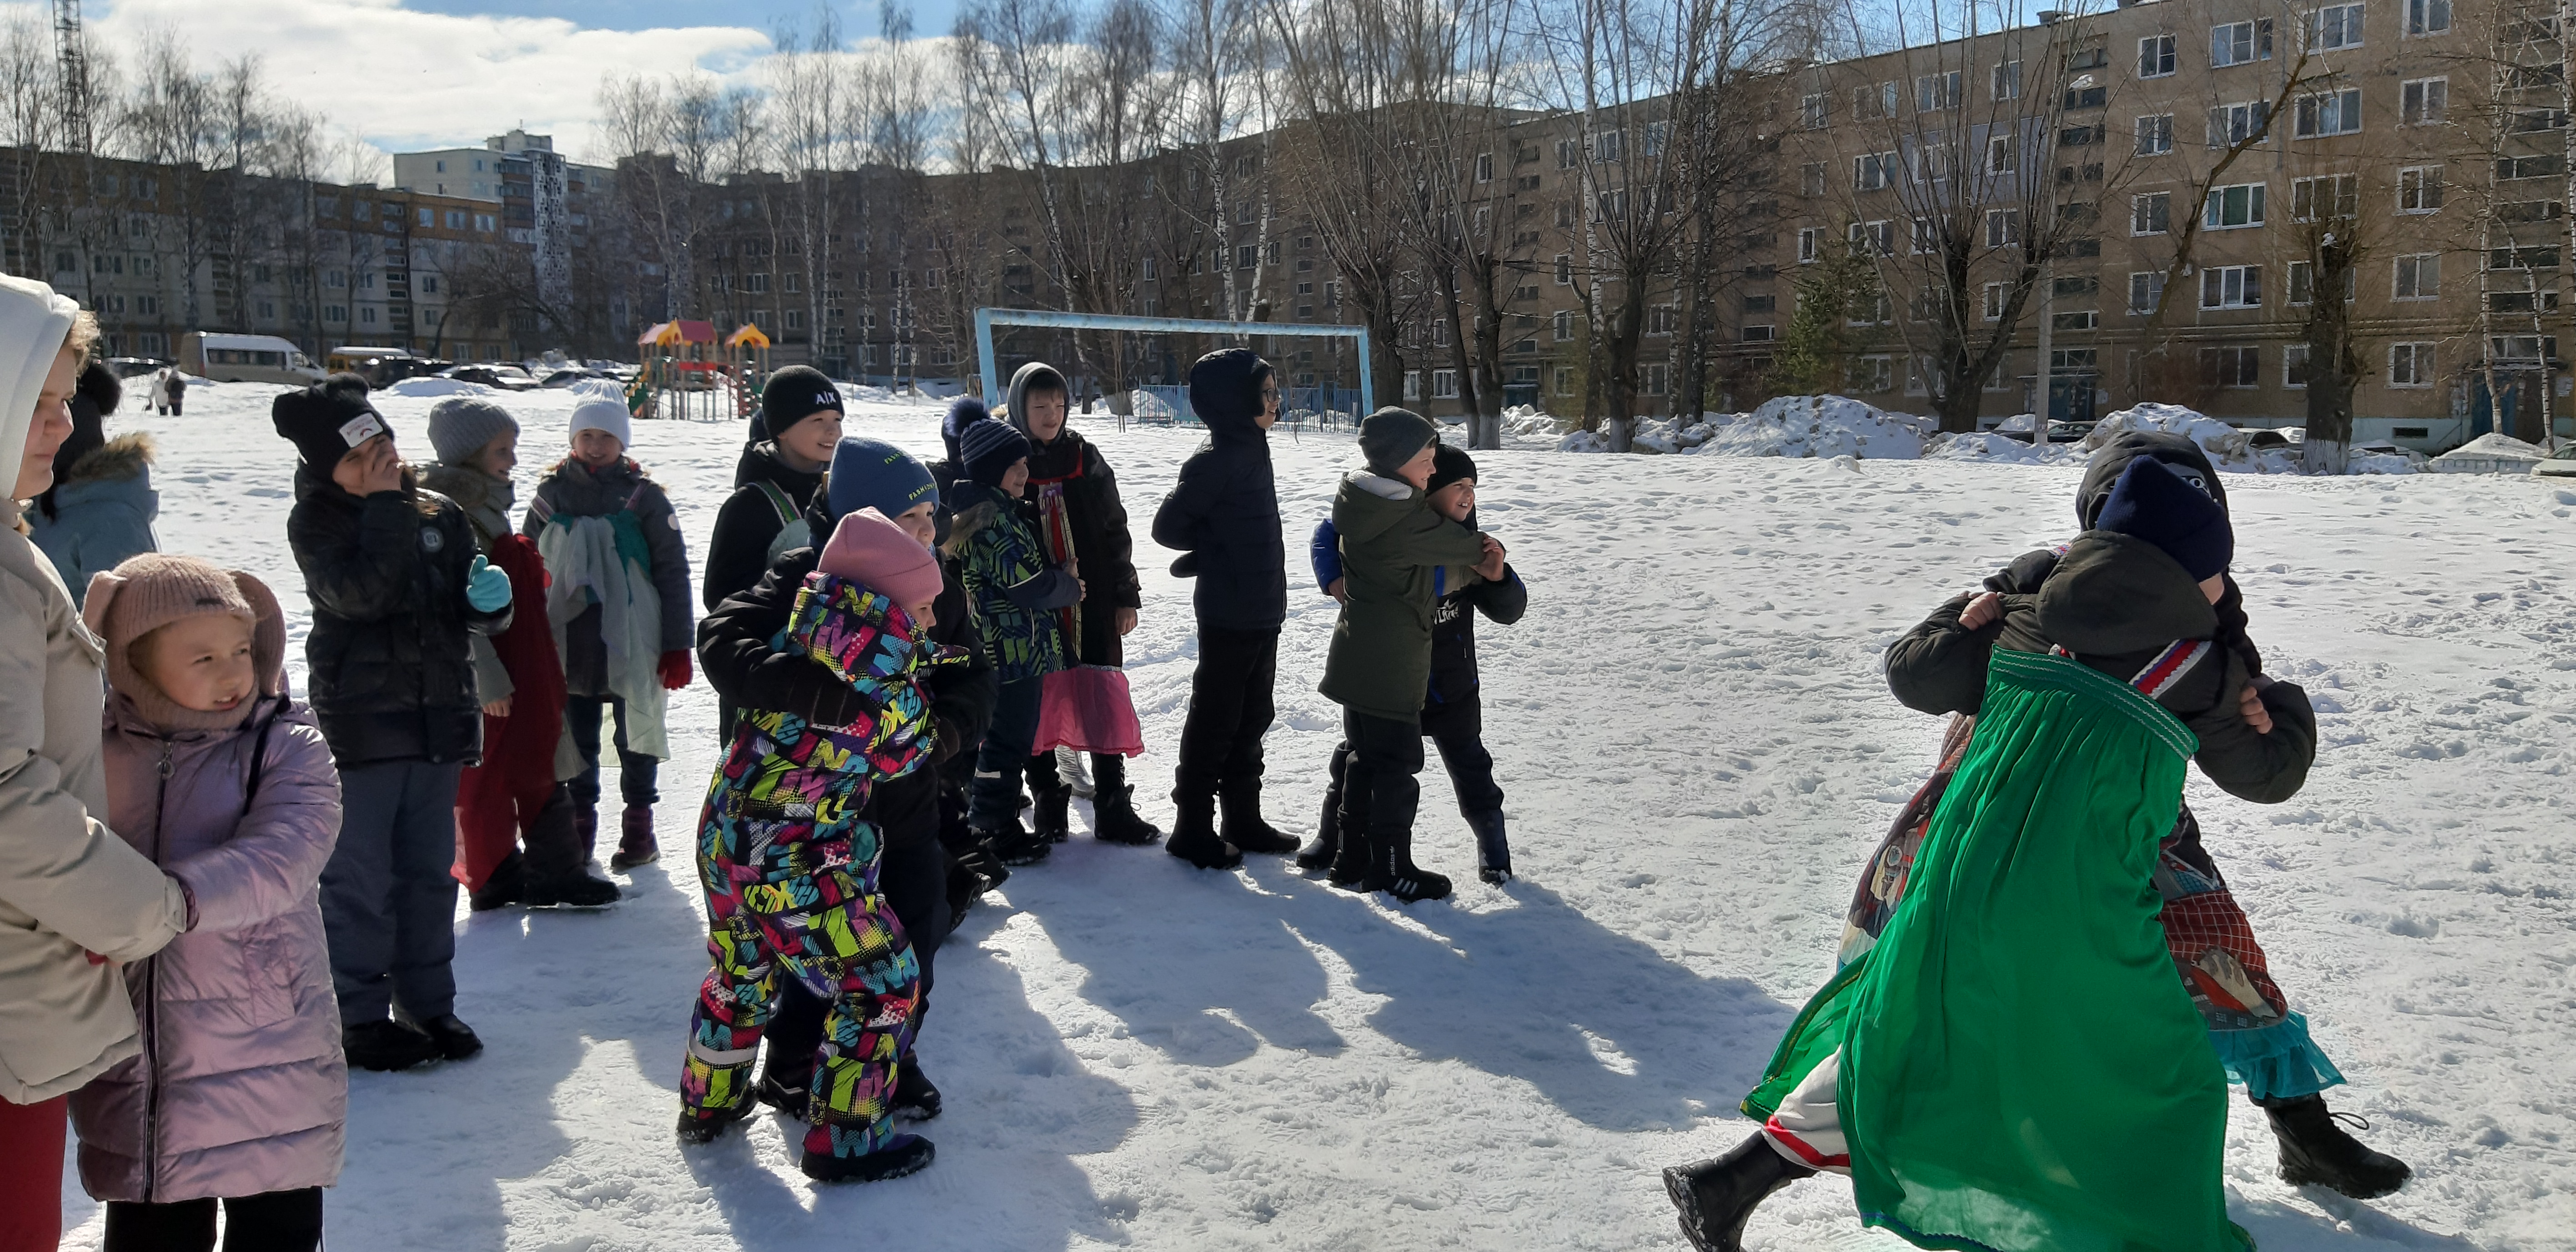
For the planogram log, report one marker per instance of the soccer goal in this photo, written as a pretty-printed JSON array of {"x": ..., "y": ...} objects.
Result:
[{"x": 1177, "y": 398}]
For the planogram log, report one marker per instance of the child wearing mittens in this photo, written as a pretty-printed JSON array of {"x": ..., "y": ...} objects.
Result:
[
  {"x": 221, "y": 778},
  {"x": 789, "y": 860},
  {"x": 620, "y": 608}
]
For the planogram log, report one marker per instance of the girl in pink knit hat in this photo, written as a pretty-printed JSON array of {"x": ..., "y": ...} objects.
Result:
[{"x": 226, "y": 783}]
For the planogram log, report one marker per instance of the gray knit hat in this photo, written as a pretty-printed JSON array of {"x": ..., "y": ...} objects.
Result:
[
  {"x": 460, "y": 426},
  {"x": 1392, "y": 436}
]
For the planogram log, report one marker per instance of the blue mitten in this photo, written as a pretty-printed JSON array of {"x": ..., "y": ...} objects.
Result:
[{"x": 486, "y": 588}]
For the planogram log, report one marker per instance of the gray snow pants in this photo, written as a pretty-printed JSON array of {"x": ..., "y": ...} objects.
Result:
[{"x": 389, "y": 893}]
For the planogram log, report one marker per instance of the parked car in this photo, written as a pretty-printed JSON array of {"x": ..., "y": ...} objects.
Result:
[
  {"x": 135, "y": 366},
  {"x": 2559, "y": 464},
  {"x": 2069, "y": 432},
  {"x": 226, "y": 358},
  {"x": 569, "y": 375},
  {"x": 2266, "y": 439},
  {"x": 505, "y": 377}
]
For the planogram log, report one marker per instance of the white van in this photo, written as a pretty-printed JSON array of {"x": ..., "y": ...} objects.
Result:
[{"x": 244, "y": 359}]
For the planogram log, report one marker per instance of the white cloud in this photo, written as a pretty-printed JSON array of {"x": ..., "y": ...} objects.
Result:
[{"x": 407, "y": 80}]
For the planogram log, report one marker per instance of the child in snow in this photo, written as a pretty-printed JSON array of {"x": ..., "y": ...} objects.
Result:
[
  {"x": 214, "y": 773},
  {"x": 736, "y": 644},
  {"x": 397, "y": 590},
  {"x": 1223, "y": 517},
  {"x": 620, "y": 608},
  {"x": 789, "y": 861},
  {"x": 1940, "y": 667},
  {"x": 1015, "y": 589},
  {"x": 2021, "y": 1072},
  {"x": 515, "y": 793},
  {"x": 1453, "y": 713},
  {"x": 800, "y": 413},
  {"x": 100, "y": 508},
  {"x": 1393, "y": 545},
  {"x": 1080, "y": 519}
]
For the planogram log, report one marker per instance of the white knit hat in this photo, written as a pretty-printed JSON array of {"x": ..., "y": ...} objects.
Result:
[
  {"x": 602, "y": 414},
  {"x": 34, "y": 322}
]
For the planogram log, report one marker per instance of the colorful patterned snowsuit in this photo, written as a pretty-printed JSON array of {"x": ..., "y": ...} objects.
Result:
[{"x": 789, "y": 865}]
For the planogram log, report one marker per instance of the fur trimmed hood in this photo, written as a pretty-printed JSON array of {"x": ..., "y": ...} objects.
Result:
[{"x": 127, "y": 456}]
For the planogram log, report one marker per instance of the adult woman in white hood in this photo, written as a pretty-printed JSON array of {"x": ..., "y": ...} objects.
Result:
[{"x": 76, "y": 902}]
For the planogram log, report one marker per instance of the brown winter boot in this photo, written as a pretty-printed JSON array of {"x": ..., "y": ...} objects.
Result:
[{"x": 636, "y": 846}]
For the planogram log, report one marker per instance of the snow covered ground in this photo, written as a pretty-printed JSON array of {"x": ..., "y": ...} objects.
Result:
[{"x": 1699, "y": 751}]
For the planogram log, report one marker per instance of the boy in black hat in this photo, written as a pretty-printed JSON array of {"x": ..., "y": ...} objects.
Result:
[
  {"x": 1223, "y": 517},
  {"x": 1453, "y": 711}
]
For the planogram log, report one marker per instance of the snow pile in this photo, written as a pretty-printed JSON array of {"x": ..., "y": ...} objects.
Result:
[
  {"x": 1584, "y": 441},
  {"x": 1524, "y": 421},
  {"x": 431, "y": 386},
  {"x": 1816, "y": 426},
  {"x": 2383, "y": 463},
  {"x": 1674, "y": 434},
  {"x": 1992, "y": 448},
  {"x": 2019, "y": 424},
  {"x": 2228, "y": 448},
  {"x": 2489, "y": 454}
]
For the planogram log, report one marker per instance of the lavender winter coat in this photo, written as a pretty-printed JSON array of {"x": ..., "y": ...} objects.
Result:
[{"x": 241, "y": 1087}]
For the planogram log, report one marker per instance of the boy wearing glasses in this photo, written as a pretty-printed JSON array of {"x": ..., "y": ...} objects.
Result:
[{"x": 1223, "y": 517}]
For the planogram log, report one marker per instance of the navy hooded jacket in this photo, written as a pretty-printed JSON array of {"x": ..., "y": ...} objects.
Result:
[{"x": 1224, "y": 512}]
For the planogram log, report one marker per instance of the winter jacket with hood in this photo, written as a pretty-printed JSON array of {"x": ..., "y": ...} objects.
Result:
[
  {"x": 573, "y": 489},
  {"x": 103, "y": 507},
  {"x": 1071, "y": 467},
  {"x": 240, "y": 1088},
  {"x": 1454, "y": 674},
  {"x": 518, "y": 664},
  {"x": 387, "y": 658},
  {"x": 749, "y": 524},
  {"x": 996, "y": 551},
  {"x": 1393, "y": 543},
  {"x": 1223, "y": 514},
  {"x": 68, "y": 886}
]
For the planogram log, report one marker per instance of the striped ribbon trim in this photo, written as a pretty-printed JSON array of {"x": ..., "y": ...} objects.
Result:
[{"x": 2169, "y": 666}]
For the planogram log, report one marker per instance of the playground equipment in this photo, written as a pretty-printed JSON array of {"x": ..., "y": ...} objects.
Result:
[
  {"x": 683, "y": 377},
  {"x": 1176, "y": 398}
]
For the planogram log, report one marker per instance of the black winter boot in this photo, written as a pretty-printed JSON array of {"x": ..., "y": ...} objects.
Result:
[
  {"x": 385, "y": 1045},
  {"x": 1391, "y": 870},
  {"x": 1351, "y": 856},
  {"x": 447, "y": 1032},
  {"x": 786, "y": 1093},
  {"x": 1317, "y": 856},
  {"x": 1245, "y": 828},
  {"x": 1113, "y": 805},
  {"x": 2314, "y": 1150},
  {"x": 1493, "y": 851},
  {"x": 697, "y": 1129},
  {"x": 576, "y": 890},
  {"x": 1715, "y": 1196},
  {"x": 1054, "y": 815},
  {"x": 1014, "y": 846},
  {"x": 585, "y": 825},
  {"x": 1194, "y": 836},
  {"x": 915, "y": 1099},
  {"x": 903, "y": 1154},
  {"x": 508, "y": 884}
]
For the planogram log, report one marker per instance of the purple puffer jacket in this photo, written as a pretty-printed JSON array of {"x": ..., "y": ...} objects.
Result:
[{"x": 241, "y": 1087}]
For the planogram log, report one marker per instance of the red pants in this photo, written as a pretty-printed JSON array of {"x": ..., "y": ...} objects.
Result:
[
  {"x": 488, "y": 822},
  {"x": 31, "y": 1174}
]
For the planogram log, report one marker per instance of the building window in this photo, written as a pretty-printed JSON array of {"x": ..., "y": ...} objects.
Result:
[
  {"x": 2155, "y": 134},
  {"x": 1565, "y": 269},
  {"x": 2146, "y": 290},
  {"x": 2233, "y": 207},
  {"x": 1873, "y": 171},
  {"x": 2424, "y": 102},
  {"x": 2003, "y": 154},
  {"x": 1814, "y": 110},
  {"x": 1872, "y": 373},
  {"x": 1927, "y": 237},
  {"x": 1760, "y": 334},
  {"x": 1651, "y": 380},
  {"x": 1564, "y": 380},
  {"x": 2232, "y": 367},
  {"x": 1807, "y": 237},
  {"x": 428, "y": 217},
  {"x": 1412, "y": 384},
  {"x": 367, "y": 314},
  {"x": 2419, "y": 277},
  {"x": 2334, "y": 26},
  {"x": 2329, "y": 113},
  {"x": 2294, "y": 366},
  {"x": 1873, "y": 238},
  {"x": 2332, "y": 195},
  {"x": 2232, "y": 124},
  {"x": 2547, "y": 165},
  {"x": 2155, "y": 56},
  {"x": 1444, "y": 384},
  {"x": 2003, "y": 227},
  {"x": 1935, "y": 93},
  {"x": 1562, "y": 326},
  {"x": 2410, "y": 365},
  {"x": 1996, "y": 295},
  {"x": 2231, "y": 287},
  {"x": 2151, "y": 214},
  {"x": 2419, "y": 189},
  {"x": 2005, "y": 83},
  {"x": 483, "y": 222},
  {"x": 2428, "y": 17},
  {"x": 1873, "y": 103},
  {"x": 1484, "y": 167}
]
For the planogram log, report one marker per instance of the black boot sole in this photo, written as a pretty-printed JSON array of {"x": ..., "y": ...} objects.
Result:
[
  {"x": 2313, "y": 1178},
  {"x": 868, "y": 1168},
  {"x": 1677, "y": 1187},
  {"x": 1222, "y": 856},
  {"x": 696, "y": 1130}
]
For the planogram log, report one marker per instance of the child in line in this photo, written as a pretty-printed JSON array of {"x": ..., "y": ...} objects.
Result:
[
  {"x": 516, "y": 792},
  {"x": 622, "y": 622},
  {"x": 2020, "y": 1069},
  {"x": 1222, "y": 516},
  {"x": 1080, "y": 518},
  {"x": 1393, "y": 544},
  {"x": 1453, "y": 714},
  {"x": 789, "y": 862},
  {"x": 218, "y": 776},
  {"x": 800, "y": 418},
  {"x": 1015, "y": 589},
  {"x": 101, "y": 506},
  {"x": 397, "y": 590}
]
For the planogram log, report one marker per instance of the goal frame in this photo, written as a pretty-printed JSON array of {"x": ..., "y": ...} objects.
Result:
[{"x": 988, "y": 318}]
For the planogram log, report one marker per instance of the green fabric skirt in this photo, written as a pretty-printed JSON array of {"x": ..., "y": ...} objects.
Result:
[{"x": 2021, "y": 1072}]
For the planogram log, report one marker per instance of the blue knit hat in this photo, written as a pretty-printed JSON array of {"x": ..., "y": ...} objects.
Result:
[
  {"x": 987, "y": 449},
  {"x": 873, "y": 474},
  {"x": 2153, "y": 503}
]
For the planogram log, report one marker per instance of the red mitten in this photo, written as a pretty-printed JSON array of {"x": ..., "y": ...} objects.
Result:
[{"x": 675, "y": 669}]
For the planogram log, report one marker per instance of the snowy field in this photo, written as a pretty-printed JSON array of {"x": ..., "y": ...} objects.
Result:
[{"x": 1699, "y": 751}]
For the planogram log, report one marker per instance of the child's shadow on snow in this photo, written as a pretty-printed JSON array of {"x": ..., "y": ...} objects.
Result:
[{"x": 1600, "y": 1024}]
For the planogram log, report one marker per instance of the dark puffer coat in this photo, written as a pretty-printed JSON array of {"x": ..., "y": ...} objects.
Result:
[
  {"x": 391, "y": 672},
  {"x": 1224, "y": 511},
  {"x": 748, "y": 524}
]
